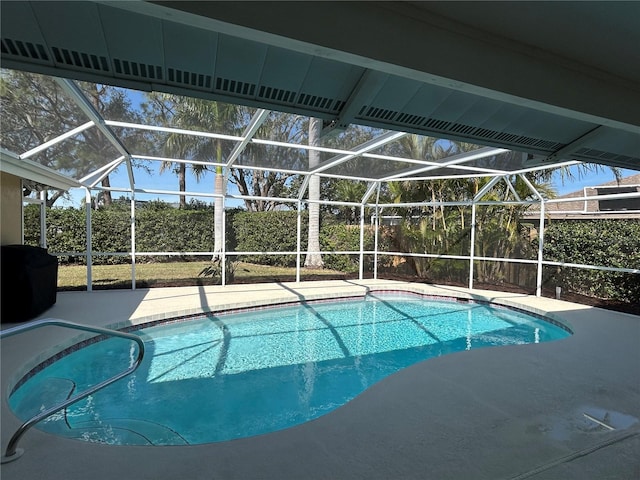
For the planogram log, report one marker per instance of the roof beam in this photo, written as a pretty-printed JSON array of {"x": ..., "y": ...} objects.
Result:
[
  {"x": 85, "y": 105},
  {"x": 70, "y": 87},
  {"x": 179, "y": 131},
  {"x": 256, "y": 122},
  {"x": 570, "y": 148},
  {"x": 449, "y": 161},
  {"x": 372, "y": 188},
  {"x": 97, "y": 175},
  {"x": 484, "y": 190},
  {"x": 58, "y": 139},
  {"x": 365, "y": 90},
  {"x": 511, "y": 187},
  {"x": 359, "y": 150},
  {"x": 11, "y": 163}
]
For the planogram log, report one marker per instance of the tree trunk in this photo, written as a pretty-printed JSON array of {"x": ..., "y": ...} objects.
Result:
[
  {"x": 218, "y": 209},
  {"x": 106, "y": 194},
  {"x": 314, "y": 260},
  {"x": 182, "y": 183}
]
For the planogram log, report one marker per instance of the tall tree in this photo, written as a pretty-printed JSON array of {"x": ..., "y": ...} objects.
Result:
[
  {"x": 35, "y": 110},
  {"x": 281, "y": 127},
  {"x": 314, "y": 258},
  {"x": 190, "y": 114}
]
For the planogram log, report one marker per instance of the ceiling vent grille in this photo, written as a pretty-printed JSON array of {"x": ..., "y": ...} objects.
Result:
[
  {"x": 606, "y": 157},
  {"x": 462, "y": 129},
  {"x": 435, "y": 125},
  {"x": 18, "y": 48},
  {"x": 379, "y": 113},
  {"x": 320, "y": 103},
  {"x": 138, "y": 70},
  {"x": 505, "y": 137},
  {"x": 196, "y": 80},
  {"x": 276, "y": 94},
  {"x": 235, "y": 87},
  {"x": 548, "y": 145},
  {"x": 339, "y": 105},
  {"x": 80, "y": 59},
  {"x": 409, "y": 119}
]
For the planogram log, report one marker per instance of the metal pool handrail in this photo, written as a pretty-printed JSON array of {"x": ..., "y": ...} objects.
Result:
[{"x": 12, "y": 452}]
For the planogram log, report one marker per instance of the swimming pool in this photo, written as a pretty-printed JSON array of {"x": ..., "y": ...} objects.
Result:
[{"x": 220, "y": 377}]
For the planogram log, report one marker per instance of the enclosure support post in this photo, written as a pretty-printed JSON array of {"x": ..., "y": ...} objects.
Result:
[
  {"x": 133, "y": 239},
  {"x": 87, "y": 209},
  {"x": 375, "y": 240},
  {"x": 43, "y": 220},
  {"x": 223, "y": 274},
  {"x": 472, "y": 246},
  {"x": 540, "y": 233},
  {"x": 540, "y": 250},
  {"x": 361, "y": 272},
  {"x": 298, "y": 236}
]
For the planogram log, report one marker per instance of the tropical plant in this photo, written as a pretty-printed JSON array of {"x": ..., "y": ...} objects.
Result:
[{"x": 197, "y": 115}]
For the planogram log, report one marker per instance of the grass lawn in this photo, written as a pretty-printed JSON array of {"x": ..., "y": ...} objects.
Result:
[{"x": 74, "y": 277}]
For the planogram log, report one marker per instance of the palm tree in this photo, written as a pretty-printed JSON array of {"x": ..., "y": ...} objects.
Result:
[
  {"x": 201, "y": 115},
  {"x": 314, "y": 259},
  {"x": 349, "y": 191}
]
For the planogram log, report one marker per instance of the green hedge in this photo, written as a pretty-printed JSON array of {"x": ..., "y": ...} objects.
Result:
[
  {"x": 337, "y": 237},
  {"x": 268, "y": 232},
  {"x": 166, "y": 230},
  {"x": 66, "y": 229},
  {"x": 174, "y": 230},
  {"x": 608, "y": 243},
  {"x": 161, "y": 228},
  {"x": 614, "y": 243}
]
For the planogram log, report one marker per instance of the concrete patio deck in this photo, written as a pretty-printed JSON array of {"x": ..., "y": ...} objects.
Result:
[{"x": 497, "y": 413}]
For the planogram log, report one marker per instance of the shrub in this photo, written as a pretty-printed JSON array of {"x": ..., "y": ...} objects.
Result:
[
  {"x": 268, "y": 232},
  {"x": 174, "y": 230},
  {"x": 339, "y": 237},
  {"x": 610, "y": 243}
]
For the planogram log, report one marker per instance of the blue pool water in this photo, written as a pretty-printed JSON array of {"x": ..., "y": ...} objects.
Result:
[{"x": 217, "y": 378}]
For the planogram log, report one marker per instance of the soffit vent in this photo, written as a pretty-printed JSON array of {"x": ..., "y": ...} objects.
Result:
[
  {"x": 80, "y": 59},
  {"x": 235, "y": 87},
  {"x": 191, "y": 79},
  {"x": 18, "y": 48},
  {"x": 318, "y": 102},
  {"x": 433, "y": 125},
  {"x": 378, "y": 113},
  {"x": 409, "y": 119},
  {"x": 276, "y": 94},
  {"x": 137, "y": 70},
  {"x": 599, "y": 156}
]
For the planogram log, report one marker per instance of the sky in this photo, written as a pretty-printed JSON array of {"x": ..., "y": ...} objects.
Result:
[{"x": 590, "y": 179}]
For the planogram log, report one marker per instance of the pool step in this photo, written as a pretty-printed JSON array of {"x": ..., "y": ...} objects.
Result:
[{"x": 125, "y": 431}]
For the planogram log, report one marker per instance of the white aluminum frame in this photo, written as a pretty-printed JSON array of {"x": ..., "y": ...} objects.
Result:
[{"x": 456, "y": 162}]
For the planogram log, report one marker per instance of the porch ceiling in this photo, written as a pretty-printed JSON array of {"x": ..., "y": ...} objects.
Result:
[{"x": 557, "y": 80}]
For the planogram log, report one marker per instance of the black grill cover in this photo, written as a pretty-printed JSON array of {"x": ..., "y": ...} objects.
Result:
[{"x": 29, "y": 282}]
